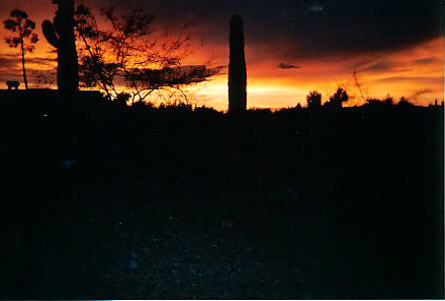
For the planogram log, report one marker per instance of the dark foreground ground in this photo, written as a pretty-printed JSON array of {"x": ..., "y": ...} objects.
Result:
[{"x": 101, "y": 201}]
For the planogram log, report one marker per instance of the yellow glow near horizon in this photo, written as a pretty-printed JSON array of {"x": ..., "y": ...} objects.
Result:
[{"x": 416, "y": 73}]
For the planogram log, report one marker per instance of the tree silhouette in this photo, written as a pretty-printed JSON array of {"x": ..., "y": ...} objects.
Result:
[
  {"x": 339, "y": 98},
  {"x": 24, "y": 37},
  {"x": 313, "y": 100},
  {"x": 123, "y": 51}
]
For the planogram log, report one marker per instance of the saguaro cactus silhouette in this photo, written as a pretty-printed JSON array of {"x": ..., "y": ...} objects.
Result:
[
  {"x": 60, "y": 34},
  {"x": 237, "y": 67}
]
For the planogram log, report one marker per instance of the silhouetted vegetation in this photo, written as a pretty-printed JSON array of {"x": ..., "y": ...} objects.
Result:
[
  {"x": 237, "y": 67},
  {"x": 336, "y": 101},
  {"x": 313, "y": 100},
  {"x": 404, "y": 103},
  {"x": 293, "y": 204},
  {"x": 111, "y": 196},
  {"x": 123, "y": 50},
  {"x": 60, "y": 34},
  {"x": 389, "y": 101},
  {"x": 25, "y": 38}
]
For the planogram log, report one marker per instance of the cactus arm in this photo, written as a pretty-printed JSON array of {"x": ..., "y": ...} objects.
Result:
[{"x": 50, "y": 33}]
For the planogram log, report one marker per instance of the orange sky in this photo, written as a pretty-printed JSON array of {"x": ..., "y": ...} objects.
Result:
[{"x": 416, "y": 72}]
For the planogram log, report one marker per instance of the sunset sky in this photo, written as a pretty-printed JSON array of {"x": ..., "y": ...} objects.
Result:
[{"x": 292, "y": 46}]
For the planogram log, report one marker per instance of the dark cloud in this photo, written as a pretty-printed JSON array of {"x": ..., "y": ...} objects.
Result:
[
  {"x": 287, "y": 66},
  {"x": 307, "y": 28},
  {"x": 425, "y": 80},
  {"x": 381, "y": 67},
  {"x": 427, "y": 61},
  {"x": 14, "y": 61},
  {"x": 419, "y": 93},
  {"x": 11, "y": 68},
  {"x": 7, "y": 63}
]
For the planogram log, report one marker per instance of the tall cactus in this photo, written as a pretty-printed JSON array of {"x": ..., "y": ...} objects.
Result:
[
  {"x": 60, "y": 34},
  {"x": 237, "y": 67}
]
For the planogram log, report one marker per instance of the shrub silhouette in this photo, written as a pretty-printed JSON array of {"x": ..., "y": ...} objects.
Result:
[
  {"x": 389, "y": 101},
  {"x": 237, "y": 67},
  {"x": 60, "y": 34},
  {"x": 122, "y": 99},
  {"x": 313, "y": 100},
  {"x": 336, "y": 100},
  {"x": 405, "y": 103},
  {"x": 23, "y": 26}
]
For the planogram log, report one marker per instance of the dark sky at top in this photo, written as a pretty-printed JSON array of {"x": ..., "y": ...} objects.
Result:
[
  {"x": 307, "y": 28},
  {"x": 293, "y": 46}
]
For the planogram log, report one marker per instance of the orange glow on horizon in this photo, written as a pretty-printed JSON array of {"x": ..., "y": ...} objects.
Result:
[{"x": 416, "y": 73}]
